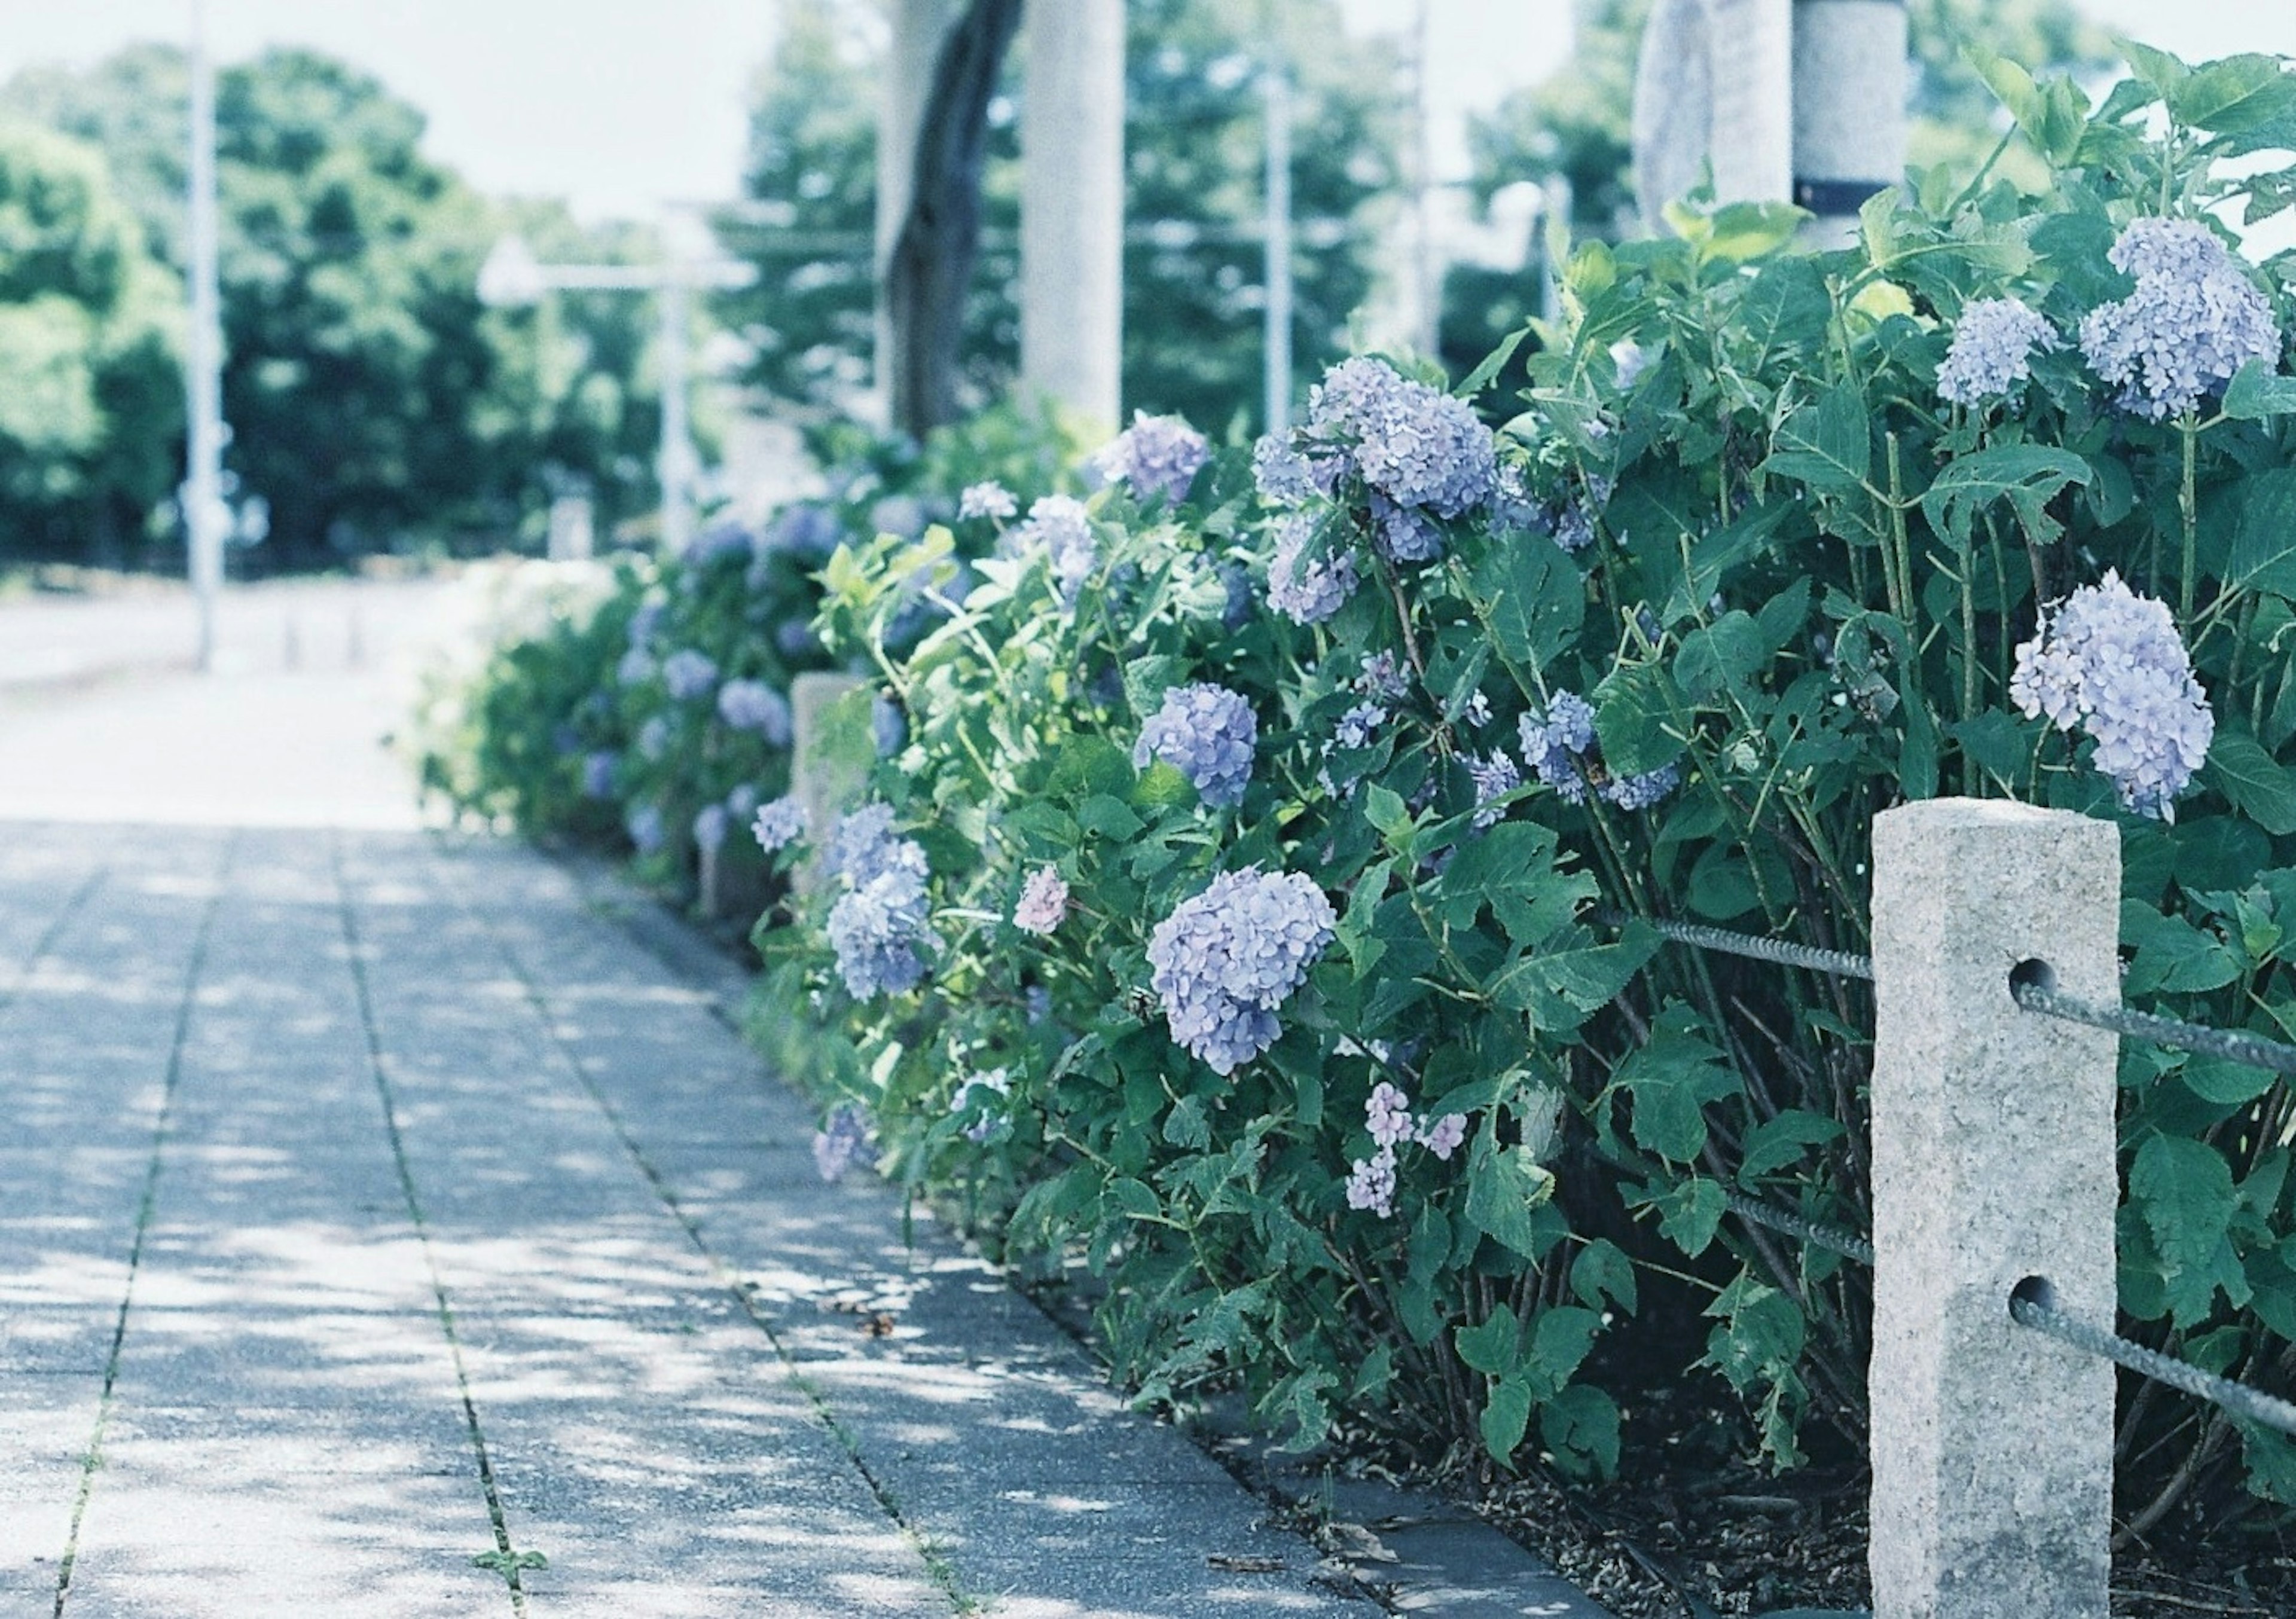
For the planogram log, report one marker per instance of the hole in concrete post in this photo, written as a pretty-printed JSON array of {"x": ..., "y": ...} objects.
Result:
[
  {"x": 2031, "y": 973},
  {"x": 2035, "y": 1291}
]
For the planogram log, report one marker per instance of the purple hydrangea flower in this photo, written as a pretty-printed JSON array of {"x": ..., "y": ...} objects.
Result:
[
  {"x": 1552, "y": 743},
  {"x": 1445, "y": 1136},
  {"x": 1387, "y": 1114},
  {"x": 598, "y": 773},
  {"x": 1412, "y": 444},
  {"x": 989, "y": 499},
  {"x": 844, "y": 1141},
  {"x": 1403, "y": 534},
  {"x": 1224, "y": 961},
  {"x": 2192, "y": 322},
  {"x": 1639, "y": 792},
  {"x": 779, "y": 824},
  {"x": 1281, "y": 474},
  {"x": 709, "y": 823},
  {"x": 1359, "y": 727},
  {"x": 689, "y": 675},
  {"x": 1155, "y": 455},
  {"x": 1207, "y": 732},
  {"x": 1371, "y": 1184},
  {"x": 1495, "y": 776},
  {"x": 1384, "y": 677},
  {"x": 1044, "y": 903},
  {"x": 1304, "y": 589},
  {"x": 902, "y": 515},
  {"x": 751, "y": 705},
  {"x": 795, "y": 638},
  {"x": 2111, "y": 662},
  {"x": 864, "y": 846},
  {"x": 1992, "y": 350},
  {"x": 1574, "y": 528}
]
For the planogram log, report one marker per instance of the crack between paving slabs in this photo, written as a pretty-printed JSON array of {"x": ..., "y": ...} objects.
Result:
[
  {"x": 506, "y": 1559},
  {"x": 936, "y": 1559},
  {"x": 93, "y": 1459}
]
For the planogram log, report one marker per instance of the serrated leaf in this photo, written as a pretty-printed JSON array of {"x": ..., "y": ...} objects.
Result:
[
  {"x": 2264, "y": 546},
  {"x": 2258, "y": 785},
  {"x": 2027, "y": 476},
  {"x": 1492, "y": 1346},
  {"x": 2233, "y": 94},
  {"x": 1506, "y": 1418},
  {"x": 2258, "y": 392},
  {"x": 2182, "y": 1188},
  {"x": 1827, "y": 445},
  {"x": 1531, "y": 597}
]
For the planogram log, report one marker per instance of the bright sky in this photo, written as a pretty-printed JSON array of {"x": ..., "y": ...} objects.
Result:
[{"x": 617, "y": 105}]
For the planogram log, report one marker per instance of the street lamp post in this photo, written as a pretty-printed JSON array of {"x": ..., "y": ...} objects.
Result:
[
  {"x": 512, "y": 275},
  {"x": 206, "y": 518}
]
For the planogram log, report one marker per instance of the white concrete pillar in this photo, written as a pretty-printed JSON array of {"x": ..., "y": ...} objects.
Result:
[
  {"x": 1993, "y": 1164},
  {"x": 918, "y": 29},
  {"x": 1072, "y": 206},
  {"x": 1752, "y": 144},
  {"x": 1849, "y": 88}
]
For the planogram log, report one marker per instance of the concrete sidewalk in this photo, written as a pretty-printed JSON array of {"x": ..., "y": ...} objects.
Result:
[{"x": 382, "y": 1233}]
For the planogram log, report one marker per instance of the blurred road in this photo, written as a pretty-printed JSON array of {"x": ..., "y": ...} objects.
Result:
[{"x": 103, "y": 718}]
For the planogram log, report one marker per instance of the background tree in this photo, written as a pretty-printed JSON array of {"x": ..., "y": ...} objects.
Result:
[
  {"x": 88, "y": 332},
  {"x": 1192, "y": 265}
]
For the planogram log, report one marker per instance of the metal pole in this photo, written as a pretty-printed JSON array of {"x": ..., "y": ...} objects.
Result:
[
  {"x": 676, "y": 469},
  {"x": 204, "y": 517},
  {"x": 1277, "y": 360}
]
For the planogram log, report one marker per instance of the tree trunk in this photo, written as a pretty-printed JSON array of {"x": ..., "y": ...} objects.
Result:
[{"x": 932, "y": 266}]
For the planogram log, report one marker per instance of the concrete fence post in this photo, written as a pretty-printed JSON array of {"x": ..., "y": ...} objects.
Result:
[
  {"x": 1072, "y": 206},
  {"x": 1993, "y": 1168},
  {"x": 831, "y": 748},
  {"x": 1849, "y": 88}
]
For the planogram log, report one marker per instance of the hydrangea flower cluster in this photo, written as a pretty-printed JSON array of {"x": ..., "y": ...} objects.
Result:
[
  {"x": 1304, "y": 589},
  {"x": 1207, "y": 732},
  {"x": 989, "y": 499},
  {"x": 598, "y": 773},
  {"x": 1495, "y": 776},
  {"x": 653, "y": 737},
  {"x": 904, "y": 516},
  {"x": 1280, "y": 474},
  {"x": 804, "y": 531},
  {"x": 637, "y": 665},
  {"x": 751, "y": 705},
  {"x": 878, "y": 921},
  {"x": 710, "y": 824},
  {"x": 1559, "y": 746},
  {"x": 718, "y": 542},
  {"x": 1224, "y": 961},
  {"x": 2192, "y": 322},
  {"x": 1574, "y": 528},
  {"x": 996, "y": 1083},
  {"x": 1412, "y": 443},
  {"x": 844, "y": 1141},
  {"x": 779, "y": 824},
  {"x": 740, "y": 801},
  {"x": 1044, "y": 903},
  {"x": 2111, "y": 662},
  {"x": 689, "y": 675},
  {"x": 1359, "y": 727},
  {"x": 1382, "y": 677},
  {"x": 644, "y": 825},
  {"x": 1992, "y": 350},
  {"x": 1155, "y": 455},
  {"x": 1060, "y": 527},
  {"x": 1386, "y": 1114}
]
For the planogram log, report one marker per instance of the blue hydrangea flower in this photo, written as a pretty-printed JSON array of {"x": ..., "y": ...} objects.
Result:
[
  {"x": 1059, "y": 526},
  {"x": 778, "y": 823},
  {"x": 1513, "y": 509},
  {"x": 795, "y": 638},
  {"x": 689, "y": 675},
  {"x": 1403, "y": 534},
  {"x": 751, "y": 705},
  {"x": 644, "y": 825},
  {"x": 902, "y": 515},
  {"x": 874, "y": 929},
  {"x": 804, "y": 531},
  {"x": 2192, "y": 322},
  {"x": 1371, "y": 1184},
  {"x": 710, "y": 824},
  {"x": 1574, "y": 528},
  {"x": 1639, "y": 792},
  {"x": 889, "y": 728},
  {"x": 1412, "y": 444},
  {"x": 1155, "y": 455},
  {"x": 985, "y": 1092},
  {"x": 1495, "y": 776},
  {"x": 2112, "y": 663},
  {"x": 864, "y": 846},
  {"x": 645, "y": 621},
  {"x": 1554, "y": 742},
  {"x": 1992, "y": 350},
  {"x": 1224, "y": 961},
  {"x": 741, "y": 801},
  {"x": 1304, "y": 589},
  {"x": 1207, "y": 732},
  {"x": 1384, "y": 677},
  {"x": 598, "y": 773},
  {"x": 989, "y": 499},
  {"x": 1280, "y": 474},
  {"x": 653, "y": 737},
  {"x": 844, "y": 1141},
  {"x": 637, "y": 665},
  {"x": 1359, "y": 727},
  {"x": 716, "y": 542}
]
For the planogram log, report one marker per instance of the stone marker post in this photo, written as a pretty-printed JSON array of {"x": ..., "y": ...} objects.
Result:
[
  {"x": 1848, "y": 109},
  {"x": 1072, "y": 205},
  {"x": 1993, "y": 1164},
  {"x": 829, "y": 763}
]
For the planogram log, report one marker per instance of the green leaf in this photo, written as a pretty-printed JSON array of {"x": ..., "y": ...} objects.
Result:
[
  {"x": 1580, "y": 1425},
  {"x": 1504, "y": 1190},
  {"x": 2053, "y": 118},
  {"x": 2258, "y": 785},
  {"x": 2027, "y": 476},
  {"x": 2184, "y": 1190},
  {"x": 1531, "y": 597},
  {"x": 1719, "y": 659},
  {"x": 1492, "y": 1348},
  {"x": 1828, "y": 444},
  {"x": 1739, "y": 233},
  {"x": 1690, "y": 1214},
  {"x": 1603, "y": 1271},
  {"x": 1506, "y": 1418},
  {"x": 1671, "y": 1078},
  {"x": 2258, "y": 392},
  {"x": 1778, "y": 1142},
  {"x": 2224, "y": 1082},
  {"x": 1560, "y": 1341},
  {"x": 1998, "y": 743},
  {"x": 1109, "y": 816},
  {"x": 2264, "y": 546},
  {"x": 1634, "y": 706},
  {"x": 2232, "y": 95},
  {"x": 2163, "y": 72},
  {"x": 1494, "y": 362}
]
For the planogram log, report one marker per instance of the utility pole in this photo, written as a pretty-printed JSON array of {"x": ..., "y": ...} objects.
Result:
[{"x": 205, "y": 516}]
